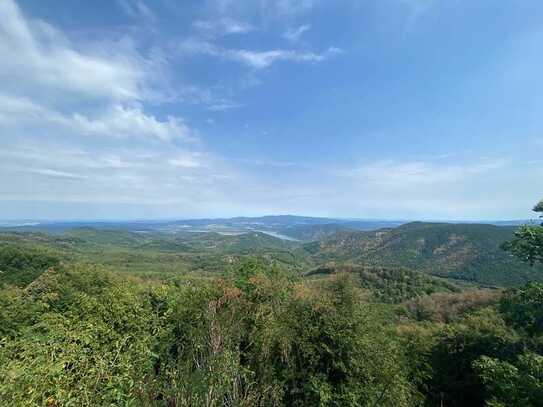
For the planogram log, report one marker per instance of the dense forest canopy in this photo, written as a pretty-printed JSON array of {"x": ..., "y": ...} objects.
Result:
[{"x": 248, "y": 320}]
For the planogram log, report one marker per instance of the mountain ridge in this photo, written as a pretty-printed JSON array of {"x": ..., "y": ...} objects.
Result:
[{"x": 466, "y": 251}]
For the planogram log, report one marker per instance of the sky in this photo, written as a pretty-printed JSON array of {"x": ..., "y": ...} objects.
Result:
[{"x": 389, "y": 109}]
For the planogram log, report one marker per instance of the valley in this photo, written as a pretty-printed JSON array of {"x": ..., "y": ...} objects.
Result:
[{"x": 464, "y": 253}]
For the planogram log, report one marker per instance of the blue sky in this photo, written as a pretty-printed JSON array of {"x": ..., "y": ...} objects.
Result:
[{"x": 406, "y": 109}]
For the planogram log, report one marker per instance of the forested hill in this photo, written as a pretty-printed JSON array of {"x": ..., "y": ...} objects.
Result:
[{"x": 464, "y": 251}]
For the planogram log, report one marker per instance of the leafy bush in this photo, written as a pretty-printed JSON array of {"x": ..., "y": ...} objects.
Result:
[
  {"x": 81, "y": 336},
  {"x": 523, "y": 308},
  {"x": 519, "y": 383},
  {"x": 449, "y": 307},
  {"x": 20, "y": 266}
]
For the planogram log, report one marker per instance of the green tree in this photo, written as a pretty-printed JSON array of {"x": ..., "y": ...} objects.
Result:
[
  {"x": 528, "y": 241},
  {"x": 20, "y": 266},
  {"x": 523, "y": 308},
  {"x": 516, "y": 384},
  {"x": 454, "y": 382}
]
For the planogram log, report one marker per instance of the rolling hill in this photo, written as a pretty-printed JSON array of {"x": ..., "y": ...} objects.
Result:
[
  {"x": 391, "y": 285},
  {"x": 467, "y": 252},
  {"x": 460, "y": 251},
  {"x": 312, "y": 232}
]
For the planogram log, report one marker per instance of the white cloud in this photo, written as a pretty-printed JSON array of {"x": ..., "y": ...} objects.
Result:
[
  {"x": 263, "y": 59},
  {"x": 221, "y": 106},
  {"x": 294, "y": 34},
  {"x": 209, "y": 98},
  {"x": 149, "y": 175},
  {"x": 137, "y": 9},
  {"x": 222, "y": 26},
  {"x": 416, "y": 9},
  {"x": 119, "y": 121},
  {"x": 408, "y": 174},
  {"x": 45, "y": 79},
  {"x": 114, "y": 121},
  {"x": 76, "y": 124},
  {"x": 266, "y": 9},
  {"x": 38, "y": 59},
  {"x": 187, "y": 161},
  {"x": 55, "y": 173},
  {"x": 290, "y": 7},
  {"x": 255, "y": 59}
]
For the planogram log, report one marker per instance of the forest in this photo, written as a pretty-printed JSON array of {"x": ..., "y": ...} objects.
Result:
[{"x": 114, "y": 318}]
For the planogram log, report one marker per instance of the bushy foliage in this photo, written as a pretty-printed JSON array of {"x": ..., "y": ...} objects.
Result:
[
  {"x": 462, "y": 251},
  {"x": 453, "y": 380},
  {"x": 523, "y": 308},
  {"x": 527, "y": 243},
  {"x": 85, "y": 343},
  {"x": 449, "y": 307},
  {"x": 517, "y": 383},
  {"x": 81, "y": 336},
  {"x": 21, "y": 266},
  {"x": 389, "y": 284}
]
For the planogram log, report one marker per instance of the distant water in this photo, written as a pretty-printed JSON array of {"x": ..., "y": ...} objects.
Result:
[
  {"x": 241, "y": 232},
  {"x": 279, "y": 235},
  {"x": 17, "y": 224}
]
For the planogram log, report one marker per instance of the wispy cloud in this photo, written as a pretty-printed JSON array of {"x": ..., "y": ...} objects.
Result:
[
  {"x": 294, "y": 34},
  {"x": 411, "y": 173},
  {"x": 290, "y": 7},
  {"x": 68, "y": 109},
  {"x": 277, "y": 9},
  {"x": 149, "y": 175},
  {"x": 37, "y": 58},
  {"x": 137, "y": 9},
  {"x": 272, "y": 163},
  {"x": 55, "y": 174},
  {"x": 194, "y": 160},
  {"x": 44, "y": 73},
  {"x": 113, "y": 121},
  {"x": 222, "y": 26},
  {"x": 223, "y": 105},
  {"x": 416, "y": 9},
  {"x": 255, "y": 59}
]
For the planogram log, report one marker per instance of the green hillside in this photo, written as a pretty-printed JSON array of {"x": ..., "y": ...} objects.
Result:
[
  {"x": 460, "y": 251},
  {"x": 20, "y": 266},
  {"x": 106, "y": 236},
  {"x": 313, "y": 232},
  {"x": 231, "y": 243},
  {"x": 155, "y": 254},
  {"x": 390, "y": 285}
]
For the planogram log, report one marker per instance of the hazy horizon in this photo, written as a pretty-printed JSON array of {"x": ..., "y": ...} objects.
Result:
[
  {"x": 180, "y": 219},
  {"x": 383, "y": 109}
]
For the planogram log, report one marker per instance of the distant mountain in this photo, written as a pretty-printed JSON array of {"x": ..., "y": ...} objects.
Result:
[
  {"x": 306, "y": 228},
  {"x": 462, "y": 251},
  {"x": 239, "y": 243},
  {"x": 468, "y": 252},
  {"x": 106, "y": 236},
  {"x": 149, "y": 253},
  {"x": 270, "y": 220},
  {"x": 242, "y": 242},
  {"x": 297, "y": 227}
]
